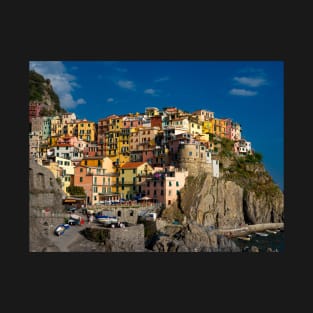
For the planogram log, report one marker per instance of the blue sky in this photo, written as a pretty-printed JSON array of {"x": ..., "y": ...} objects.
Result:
[{"x": 249, "y": 92}]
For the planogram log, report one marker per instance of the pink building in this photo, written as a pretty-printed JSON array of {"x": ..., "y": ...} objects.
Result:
[
  {"x": 228, "y": 129},
  {"x": 34, "y": 109},
  {"x": 90, "y": 150},
  {"x": 67, "y": 139},
  {"x": 164, "y": 186},
  {"x": 236, "y": 131}
]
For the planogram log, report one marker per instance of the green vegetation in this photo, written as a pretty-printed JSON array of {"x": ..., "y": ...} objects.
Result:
[
  {"x": 59, "y": 181},
  {"x": 76, "y": 191},
  {"x": 254, "y": 158},
  {"x": 249, "y": 173},
  {"x": 39, "y": 89},
  {"x": 226, "y": 147},
  {"x": 36, "y": 86}
]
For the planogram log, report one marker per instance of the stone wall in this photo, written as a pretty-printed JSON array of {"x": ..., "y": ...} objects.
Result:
[
  {"x": 128, "y": 239},
  {"x": 44, "y": 191}
]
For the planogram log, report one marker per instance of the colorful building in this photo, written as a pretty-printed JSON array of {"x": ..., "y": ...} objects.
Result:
[
  {"x": 132, "y": 174},
  {"x": 164, "y": 186},
  {"x": 86, "y": 130},
  {"x": 99, "y": 181},
  {"x": 203, "y": 115}
]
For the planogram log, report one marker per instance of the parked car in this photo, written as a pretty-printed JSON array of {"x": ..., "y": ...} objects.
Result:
[{"x": 71, "y": 209}]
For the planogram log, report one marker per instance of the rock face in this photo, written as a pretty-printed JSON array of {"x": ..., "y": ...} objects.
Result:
[
  {"x": 191, "y": 237},
  {"x": 44, "y": 193},
  {"x": 230, "y": 201},
  {"x": 263, "y": 209}
]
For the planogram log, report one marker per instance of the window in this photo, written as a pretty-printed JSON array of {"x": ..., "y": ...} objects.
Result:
[
  {"x": 177, "y": 183},
  {"x": 170, "y": 192},
  {"x": 162, "y": 192},
  {"x": 95, "y": 189},
  {"x": 190, "y": 153},
  {"x": 134, "y": 171},
  {"x": 169, "y": 202},
  {"x": 154, "y": 192},
  {"x": 81, "y": 179},
  {"x": 123, "y": 172},
  {"x": 170, "y": 183},
  {"x": 131, "y": 213}
]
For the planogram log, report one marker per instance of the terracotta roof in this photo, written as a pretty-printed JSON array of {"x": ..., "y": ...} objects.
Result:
[
  {"x": 63, "y": 145},
  {"x": 130, "y": 165}
]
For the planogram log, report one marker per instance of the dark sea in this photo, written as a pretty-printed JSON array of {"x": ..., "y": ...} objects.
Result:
[{"x": 273, "y": 241}]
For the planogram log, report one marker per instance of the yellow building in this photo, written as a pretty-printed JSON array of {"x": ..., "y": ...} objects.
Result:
[
  {"x": 67, "y": 172},
  {"x": 53, "y": 141},
  {"x": 152, "y": 111},
  {"x": 131, "y": 175},
  {"x": 56, "y": 126},
  {"x": 98, "y": 161},
  {"x": 217, "y": 127},
  {"x": 195, "y": 127},
  {"x": 111, "y": 142},
  {"x": 206, "y": 127},
  {"x": 70, "y": 129},
  {"x": 103, "y": 163},
  {"x": 86, "y": 130}
]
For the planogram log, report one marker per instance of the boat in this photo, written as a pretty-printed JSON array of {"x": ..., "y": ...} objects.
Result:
[
  {"x": 244, "y": 238},
  {"x": 60, "y": 229},
  {"x": 262, "y": 234},
  {"x": 271, "y": 231},
  {"x": 105, "y": 219}
]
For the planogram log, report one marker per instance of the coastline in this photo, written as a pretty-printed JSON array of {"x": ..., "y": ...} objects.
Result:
[{"x": 248, "y": 229}]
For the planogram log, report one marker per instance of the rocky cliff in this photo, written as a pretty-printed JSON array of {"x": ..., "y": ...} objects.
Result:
[
  {"x": 190, "y": 237},
  {"x": 244, "y": 194},
  {"x": 45, "y": 202},
  {"x": 41, "y": 90}
]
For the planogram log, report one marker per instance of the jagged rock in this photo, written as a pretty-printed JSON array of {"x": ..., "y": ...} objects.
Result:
[
  {"x": 263, "y": 208},
  {"x": 254, "y": 249},
  {"x": 221, "y": 202},
  {"x": 194, "y": 238},
  {"x": 44, "y": 192}
]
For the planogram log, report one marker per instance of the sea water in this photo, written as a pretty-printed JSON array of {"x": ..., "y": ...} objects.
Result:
[{"x": 273, "y": 241}]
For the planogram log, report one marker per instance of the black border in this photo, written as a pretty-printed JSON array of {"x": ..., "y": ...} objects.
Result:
[{"x": 260, "y": 34}]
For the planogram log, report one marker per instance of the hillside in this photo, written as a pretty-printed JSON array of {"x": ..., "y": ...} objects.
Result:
[{"x": 41, "y": 90}]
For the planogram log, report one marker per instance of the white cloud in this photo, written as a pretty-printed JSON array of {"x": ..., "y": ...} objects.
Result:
[
  {"x": 150, "y": 91},
  {"x": 62, "y": 82},
  {"x": 81, "y": 101},
  {"x": 162, "y": 79},
  {"x": 110, "y": 100},
  {"x": 126, "y": 84},
  {"x": 250, "y": 81},
  {"x": 242, "y": 92}
]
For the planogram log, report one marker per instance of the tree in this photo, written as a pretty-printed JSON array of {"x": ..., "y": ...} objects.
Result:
[{"x": 76, "y": 191}]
